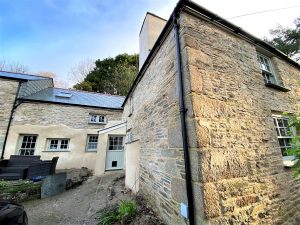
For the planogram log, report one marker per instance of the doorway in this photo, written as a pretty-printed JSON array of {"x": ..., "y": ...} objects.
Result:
[{"x": 115, "y": 153}]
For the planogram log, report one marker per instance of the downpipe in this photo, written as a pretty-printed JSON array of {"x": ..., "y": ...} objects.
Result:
[
  {"x": 15, "y": 105},
  {"x": 183, "y": 110}
]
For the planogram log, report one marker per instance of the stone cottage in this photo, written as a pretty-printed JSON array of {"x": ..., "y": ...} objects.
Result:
[
  {"x": 205, "y": 125},
  {"x": 38, "y": 119}
]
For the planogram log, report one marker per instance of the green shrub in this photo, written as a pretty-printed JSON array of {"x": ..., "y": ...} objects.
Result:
[
  {"x": 126, "y": 210},
  {"x": 108, "y": 216},
  {"x": 122, "y": 213},
  {"x": 18, "y": 186}
]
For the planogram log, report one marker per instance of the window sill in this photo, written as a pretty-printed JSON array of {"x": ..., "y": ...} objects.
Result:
[
  {"x": 56, "y": 151},
  {"x": 289, "y": 161},
  {"x": 98, "y": 123},
  {"x": 281, "y": 88},
  {"x": 93, "y": 151}
]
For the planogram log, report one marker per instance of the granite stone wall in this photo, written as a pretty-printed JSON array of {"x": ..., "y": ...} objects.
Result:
[
  {"x": 8, "y": 91},
  {"x": 240, "y": 162},
  {"x": 152, "y": 114},
  {"x": 77, "y": 117},
  {"x": 237, "y": 168}
]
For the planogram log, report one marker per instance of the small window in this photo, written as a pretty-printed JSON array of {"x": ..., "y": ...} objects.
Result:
[
  {"x": 28, "y": 143},
  {"x": 97, "y": 119},
  {"x": 115, "y": 143},
  {"x": 92, "y": 142},
  {"x": 58, "y": 144},
  {"x": 63, "y": 94},
  {"x": 266, "y": 69},
  {"x": 284, "y": 133}
]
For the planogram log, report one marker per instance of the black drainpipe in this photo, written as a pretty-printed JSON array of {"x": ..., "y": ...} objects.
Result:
[
  {"x": 15, "y": 105},
  {"x": 187, "y": 164}
]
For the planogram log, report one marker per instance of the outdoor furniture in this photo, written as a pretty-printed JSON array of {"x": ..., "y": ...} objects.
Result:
[
  {"x": 26, "y": 167},
  {"x": 43, "y": 168}
]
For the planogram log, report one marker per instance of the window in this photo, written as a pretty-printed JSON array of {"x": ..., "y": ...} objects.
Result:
[
  {"x": 28, "y": 143},
  {"x": 115, "y": 143},
  {"x": 284, "y": 133},
  {"x": 63, "y": 94},
  {"x": 58, "y": 144},
  {"x": 97, "y": 119},
  {"x": 267, "y": 70},
  {"x": 92, "y": 142}
]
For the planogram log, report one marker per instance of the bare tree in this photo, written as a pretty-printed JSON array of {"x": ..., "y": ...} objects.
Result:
[
  {"x": 15, "y": 67},
  {"x": 57, "y": 82},
  {"x": 83, "y": 68}
]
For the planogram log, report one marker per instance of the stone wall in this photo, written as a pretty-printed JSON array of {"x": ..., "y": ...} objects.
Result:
[
  {"x": 59, "y": 121},
  {"x": 8, "y": 91},
  {"x": 239, "y": 159},
  {"x": 45, "y": 114},
  {"x": 152, "y": 113}
]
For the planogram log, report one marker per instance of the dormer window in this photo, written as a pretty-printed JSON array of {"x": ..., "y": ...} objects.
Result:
[
  {"x": 99, "y": 119},
  {"x": 266, "y": 69}
]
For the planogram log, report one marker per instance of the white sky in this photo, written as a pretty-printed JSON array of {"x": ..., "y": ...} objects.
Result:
[{"x": 258, "y": 25}]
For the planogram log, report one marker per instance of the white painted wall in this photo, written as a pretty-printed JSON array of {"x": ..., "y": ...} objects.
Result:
[
  {"x": 102, "y": 148},
  {"x": 76, "y": 157},
  {"x": 132, "y": 156},
  {"x": 150, "y": 31}
]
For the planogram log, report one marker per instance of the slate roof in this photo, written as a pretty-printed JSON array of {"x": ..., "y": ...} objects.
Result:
[
  {"x": 82, "y": 98},
  {"x": 21, "y": 76}
]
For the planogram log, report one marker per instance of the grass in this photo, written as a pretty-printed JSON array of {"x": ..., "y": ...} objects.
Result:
[
  {"x": 108, "y": 216},
  {"x": 127, "y": 209},
  {"x": 121, "y": 213},
  {"x": 12, "y": 187}
]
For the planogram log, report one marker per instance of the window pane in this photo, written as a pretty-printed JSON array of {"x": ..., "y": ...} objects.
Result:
[
  {"x": 64, "y": 144},
  {"x": 115, "y": 143},
  {"x": 101, "y": 119},
  {"x": 281, "y": 142},
  {"x": 28, "y": 145},
  {"x": 282, "y": 132},
  {"x": 285, "y": 122},
  {"x": 92, "y": 142},
  {"x": 280, "y": 123}
]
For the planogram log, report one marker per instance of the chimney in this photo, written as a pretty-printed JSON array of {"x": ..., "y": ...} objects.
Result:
[{"x": 151, "y": 29}]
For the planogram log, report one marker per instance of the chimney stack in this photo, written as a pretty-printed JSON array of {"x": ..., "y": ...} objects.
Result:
[{"x": 151, "y": 29}]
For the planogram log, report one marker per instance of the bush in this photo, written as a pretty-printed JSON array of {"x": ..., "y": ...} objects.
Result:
[
  {"x": 18, "y": 186},
  {"x": 122, "y": 213},
  {"x": 294, "y": 122},
  {"x": 126, "y": 210},
  {"x": 108, "y": 216}
]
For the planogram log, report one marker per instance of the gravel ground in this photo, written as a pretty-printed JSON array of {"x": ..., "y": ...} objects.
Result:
[{"x": 78, "y": 206}]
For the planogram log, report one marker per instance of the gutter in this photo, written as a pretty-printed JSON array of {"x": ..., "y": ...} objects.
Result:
[
  {"x": 183, "y": 110},
  {"x": 15, "y": 105},
  {"x": 116, "y": 126}
]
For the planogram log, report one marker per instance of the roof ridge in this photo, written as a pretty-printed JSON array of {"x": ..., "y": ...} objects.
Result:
[
  {"x": 89, "y": 92},
  {"x": 27, "y": 74}
]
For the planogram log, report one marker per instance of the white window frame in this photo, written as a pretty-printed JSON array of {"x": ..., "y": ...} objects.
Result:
[
  {"x": 27, "y": 149},
  {"x": 116, "y": 142},
  {"x": 282, "y": 131},
  {"x": 267, "y": 69},
  {"x": 97, "y": 119},
  {"x": 89, "y": 136},
  {"x": 59, "y": 143}
]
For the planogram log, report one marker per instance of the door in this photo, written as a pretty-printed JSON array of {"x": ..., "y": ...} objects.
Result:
[{"x": 115, "y": 153}]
